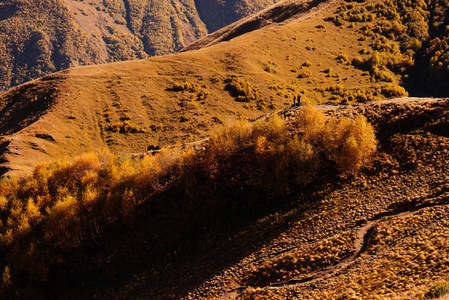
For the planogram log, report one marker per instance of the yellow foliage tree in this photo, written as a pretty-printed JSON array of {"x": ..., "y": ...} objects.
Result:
[
  {"x": 355, "y": 143},
  {"x": 310, "y": 122}
]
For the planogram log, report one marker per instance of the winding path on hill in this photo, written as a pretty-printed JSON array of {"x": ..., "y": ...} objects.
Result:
[{"x": 361, "y": 244}]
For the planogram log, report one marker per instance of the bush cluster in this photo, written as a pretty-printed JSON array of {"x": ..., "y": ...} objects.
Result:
[
  {"x": 305, "y": 74},
  {"x": 349, "y": 143},
  {"x": 364, "y": 95},
  {"x": 382, "y": 65},
  {"x": 242, "y": 90},
  {"x": 404, "y": 34},
  {"x": 52, "y": 211},
  {"x": 125, "y": 127},
  {"x": 438, "y": 290},
  {"x": 192, "y": 87},
  {"x": 186, "y": 86},
  {"x": 437, "y": 61}
]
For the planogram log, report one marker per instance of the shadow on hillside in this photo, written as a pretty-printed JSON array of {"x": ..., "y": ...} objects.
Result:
[
  {"x": 3, "y": 149},
  {"x": 25, "y": 104},
  {"x": 218, "y": 243},
  {"x": 277, "y": 14}
]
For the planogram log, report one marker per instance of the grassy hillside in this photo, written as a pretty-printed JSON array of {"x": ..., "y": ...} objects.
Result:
[
  {"x": 52, "y": 35},
  {"x": 50, "y": 217},
  {"x": 180, "y": 98},
  {"x": 261, "y": 210}
]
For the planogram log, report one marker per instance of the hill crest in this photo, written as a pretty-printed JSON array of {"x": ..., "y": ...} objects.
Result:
[{"x": 55, "y": 35}]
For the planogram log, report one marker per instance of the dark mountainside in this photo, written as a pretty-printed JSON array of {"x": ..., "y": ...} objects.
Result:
[{"x": 41, "y": 37}]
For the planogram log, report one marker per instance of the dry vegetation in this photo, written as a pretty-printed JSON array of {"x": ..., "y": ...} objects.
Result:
[
  {"x": 63, "y": 207},
  {"x": 38, "y": 38},
  {"x": 265, "y": 236},
  {"x": 405, "y": 37},
  {"x": 302, "y": 261},
  {"x": 406, "y": 250}
]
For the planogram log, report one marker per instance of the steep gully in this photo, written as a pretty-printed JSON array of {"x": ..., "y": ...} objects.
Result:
[{"x": 128, "y": 15}]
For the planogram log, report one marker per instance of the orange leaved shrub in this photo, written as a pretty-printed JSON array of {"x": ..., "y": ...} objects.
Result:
[{"x": 350, "y": 143}]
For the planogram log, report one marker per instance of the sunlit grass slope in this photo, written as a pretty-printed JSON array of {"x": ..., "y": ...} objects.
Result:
[{"x": 342, "y": 53}]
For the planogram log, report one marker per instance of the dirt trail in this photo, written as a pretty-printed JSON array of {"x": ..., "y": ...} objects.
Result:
[
  {"x": 361, "y": 244},
  {"x": 348, "y": 217}
]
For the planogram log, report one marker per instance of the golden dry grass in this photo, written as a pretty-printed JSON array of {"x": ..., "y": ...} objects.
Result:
[{"x": 92, "y": 99}]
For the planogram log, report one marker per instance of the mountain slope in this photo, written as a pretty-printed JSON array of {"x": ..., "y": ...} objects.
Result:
[
  {"x": 217, "y": 14},
  {"x": 304, "y": 251},
  {"x": 218, "y": 222},
  {"x": 51, "y": 35},
  {"x": 264, "y": 210},
  {"x": 285, "y": 11},
  {"x": 90, "y": 100},
  {"x": 179, "y": 98}
]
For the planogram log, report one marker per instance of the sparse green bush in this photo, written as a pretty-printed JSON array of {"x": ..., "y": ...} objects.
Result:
[
  {"x": 307, "y": 64},
  {"x": 393, "y": 91},
  {"x": 125, "y": 127},
  {"x": 438, "y": 290},
  {"x": 382, "y": 75},
  {"x": 191, "y": 87},
  {"x": 125, "y": 117},
  {"x": 242, "y": 90},
  {"x": 359, "y": 95},
  {"x": 379, "y": 65},
  {"x": 185, "y": 86},
  {"x": 342, "y": 57},
  {"x": 305, "y": 74}
]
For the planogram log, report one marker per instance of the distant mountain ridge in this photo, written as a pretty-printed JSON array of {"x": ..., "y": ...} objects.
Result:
[{"x": 41, "y": 37}]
